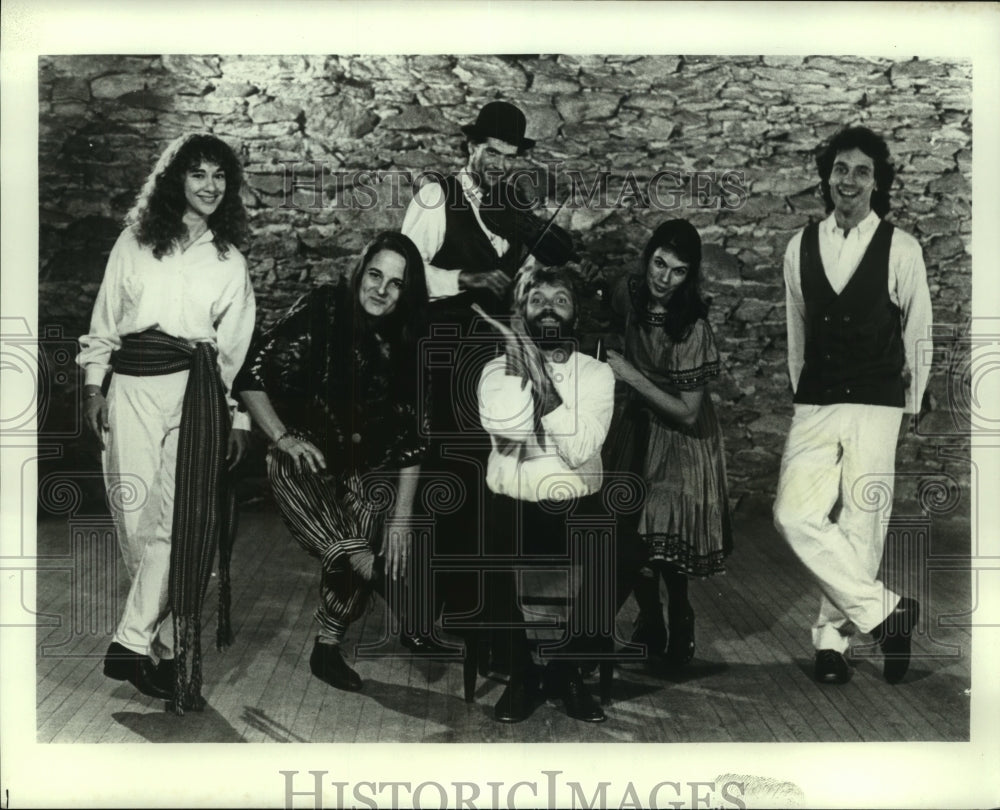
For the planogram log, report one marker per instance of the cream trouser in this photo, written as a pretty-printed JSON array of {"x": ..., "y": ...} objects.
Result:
[
  {"x": 847, "y": 452},
  {"x": 139, "y": 462}
]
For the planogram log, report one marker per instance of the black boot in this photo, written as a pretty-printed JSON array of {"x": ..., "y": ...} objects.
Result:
[
  {"x": 894, "y": 637},
  {"x": 680, "y": 618},
  {"x": 520, "y": 698},
  {"x": 649, "y": 627},
  {"x": 122, "y": 664},
  {"x": 569, "y": 686},
  {"x": 329, "y": 666},
  {"x": 680, "y": 650}
]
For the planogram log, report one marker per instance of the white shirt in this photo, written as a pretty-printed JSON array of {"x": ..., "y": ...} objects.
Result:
[
  {"x": 425, "y": 223},
  {"x": 193, "y": 295},
  {"x": 841, "y": 254},
  {"x": 569, "y": 464}
]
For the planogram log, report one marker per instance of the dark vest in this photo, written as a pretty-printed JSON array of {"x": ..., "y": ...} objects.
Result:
[
  {"x": 854, "y": 340},
  {"x": 465, "y": 245}
]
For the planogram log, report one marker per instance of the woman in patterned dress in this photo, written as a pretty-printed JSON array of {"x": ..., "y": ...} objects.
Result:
[
  {"x": 341, "y": 367},
  {"x": 669, "y": 358}
]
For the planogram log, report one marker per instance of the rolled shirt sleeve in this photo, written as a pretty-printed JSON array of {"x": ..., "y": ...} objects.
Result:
[{"x": 234, "y": 330}]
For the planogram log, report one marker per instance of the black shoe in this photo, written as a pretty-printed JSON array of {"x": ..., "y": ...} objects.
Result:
[
  {"x": 164, "y": 673},
  {"x": 831, "y": 667},
  {"x": 680, "y": 650},
  {"x": 329, "y": 666},
  {"x": 121, "y": 663},
  {"x": 519, "y": 699},
  {"x": 146, "y": 681},
  {"x": 651, "y": 631},
  {"x": 424, "y": 645},
  {"x": 893, "y": 636},
  {"x": 579, "y": 703}
]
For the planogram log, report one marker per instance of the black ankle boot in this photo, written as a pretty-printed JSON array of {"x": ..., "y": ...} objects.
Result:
[
  {"x": 680, "y": 650},
  {"x": 651, "y": 631},
  {"x": 579, "y": 703},
  {"x": 329, "y": 666},
  {"x": 649, "y": 627},
  {"x": 520, "y": 698}
]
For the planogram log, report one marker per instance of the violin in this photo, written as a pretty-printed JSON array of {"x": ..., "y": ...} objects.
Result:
[{"x": 508, "y": 212}]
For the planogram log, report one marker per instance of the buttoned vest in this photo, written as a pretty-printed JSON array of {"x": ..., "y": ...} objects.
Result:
[{"x": 854, "y": 343}]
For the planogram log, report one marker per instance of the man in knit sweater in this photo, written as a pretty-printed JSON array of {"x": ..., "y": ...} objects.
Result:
[{"x": 857, "y": 307}]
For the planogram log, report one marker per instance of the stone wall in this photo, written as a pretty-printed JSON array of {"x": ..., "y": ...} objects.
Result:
[{"x": 365, "y": 126}]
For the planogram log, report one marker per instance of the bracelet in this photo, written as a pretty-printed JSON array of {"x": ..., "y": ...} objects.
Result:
[{"x": 282, "y": 436}]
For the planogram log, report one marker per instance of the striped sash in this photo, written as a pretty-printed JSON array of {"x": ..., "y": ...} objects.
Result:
[{"x": 204, "y": 502}]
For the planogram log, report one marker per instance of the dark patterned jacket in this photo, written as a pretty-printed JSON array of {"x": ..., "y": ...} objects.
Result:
[{"x": 350, "y": 390}]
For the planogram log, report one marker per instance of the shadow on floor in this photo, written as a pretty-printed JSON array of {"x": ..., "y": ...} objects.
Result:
[
  {"x": 166, "y": 727},
  {"x": 274, "y": 731}
]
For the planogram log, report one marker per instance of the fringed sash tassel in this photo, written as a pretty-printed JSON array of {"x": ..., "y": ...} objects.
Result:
[{"x": 204, "y": 502}]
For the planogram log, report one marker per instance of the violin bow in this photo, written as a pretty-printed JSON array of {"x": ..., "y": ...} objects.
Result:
[{"x": 541, "y": 235}]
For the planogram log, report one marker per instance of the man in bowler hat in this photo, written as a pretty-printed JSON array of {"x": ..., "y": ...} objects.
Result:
[{"x": 465, "y": 262}]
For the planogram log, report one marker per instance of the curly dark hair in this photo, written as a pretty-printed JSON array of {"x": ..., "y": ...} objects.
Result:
[
  {"x": 685, "y": 305},
  {"x": 875, "y": 147},
  {"x": 159, "y": 208}
]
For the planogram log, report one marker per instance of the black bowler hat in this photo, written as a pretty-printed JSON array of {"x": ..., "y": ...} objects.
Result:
[{"x": 501, "y": 120}]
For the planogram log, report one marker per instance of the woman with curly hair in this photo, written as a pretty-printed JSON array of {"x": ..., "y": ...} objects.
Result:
[
  {"x": 342, "y": 368},
  {"x": 173, "y": 320},
  {"x": 670, "y": 357}
]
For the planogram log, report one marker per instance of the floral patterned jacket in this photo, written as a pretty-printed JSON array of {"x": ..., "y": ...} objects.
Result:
[{"x": 350, "y": 390}]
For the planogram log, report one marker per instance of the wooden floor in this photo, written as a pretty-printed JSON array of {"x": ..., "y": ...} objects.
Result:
[{"x": 750, "y": 680}]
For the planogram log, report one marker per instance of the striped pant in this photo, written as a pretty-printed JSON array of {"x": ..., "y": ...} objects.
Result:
[{"x": 330, "y": 519}]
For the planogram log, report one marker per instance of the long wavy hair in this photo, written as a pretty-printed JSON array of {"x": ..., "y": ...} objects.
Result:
[
  {"x": 404, "y": 326},
  {"x": 875, "y": 147},
  {"x": 685, "y": 305},
  {"x": 406, "y": 323},
  {"x": 159, "y": 207}
]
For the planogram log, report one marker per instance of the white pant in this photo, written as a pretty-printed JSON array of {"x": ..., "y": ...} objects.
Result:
[
  {"x": 139, "y": 463},
  {"x": 846, "y": 452}
]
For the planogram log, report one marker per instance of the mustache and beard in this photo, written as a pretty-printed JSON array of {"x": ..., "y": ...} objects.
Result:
[{"x": 551, "y": 335}]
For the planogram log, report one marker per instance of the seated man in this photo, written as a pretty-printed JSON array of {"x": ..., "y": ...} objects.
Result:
[{"x": 547, "y": 409}]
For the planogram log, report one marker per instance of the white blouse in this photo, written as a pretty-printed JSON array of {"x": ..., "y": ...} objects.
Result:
[{"x": 190, "y": 294}]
